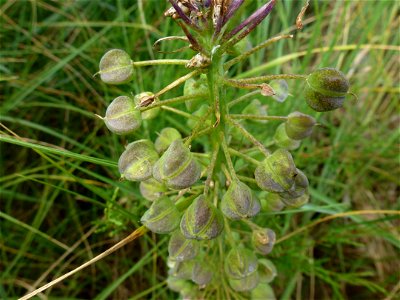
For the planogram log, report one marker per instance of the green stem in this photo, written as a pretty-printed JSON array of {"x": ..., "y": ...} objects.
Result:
[
  {"x": 257, "y": 117},
  {"x": 175, "y": 100},
  {"x": 269, "y": 78},
  {"x": 157, "y": 62},
  {"x": 244, "y": 156},
  {"x": 177, "y": 82},
  {"x": 242, "y": 98},
  {"x": 210, "y": 170},
  {"x": 227, "y": 156},
  {"x": 179, "y": 112}
]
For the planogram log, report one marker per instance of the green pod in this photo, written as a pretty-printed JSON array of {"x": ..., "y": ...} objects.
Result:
[
  {"x": 267, "y": 270},
  {"x": 195, "y": 86},
  {"x": 122, "y": 117},
  {"x": 165, "y": 139},
  {"x": 277, "y": 172},
  {"x": 298, "y": 202},
  {"x": 178, "y": 285},
  {"x": 181, "y": 248},
  {"x": 177, "y": 167},
  {"x": 299, "y": 126},
  {"x": 298, "y": 189},
  {"x": 245, "y": 284},
  {"x": 116, "y": 67},
  {"x": 202, "y": 220},
  {"x": 263, "y": 291},
  {"x": 152, "y": 189},
  {"x": 271, "y": 202},
  {"x": 143, "y": 97},
  {"x": 282, "y": 140},
  {"x": 162, "y": 216},
  {"x": 183, "y": 270},
  {"x": 202, "y": 273},
  {"x": 239, "y": 202},
  {"x": 263, "y": 240},
  {"x": 136, "y": 162},
  {"x": 240, "y": 263},
  {"x": 191, "y": 123},
  {"x": 255, "y": 107},
  {"x": 326, "y": 89}
]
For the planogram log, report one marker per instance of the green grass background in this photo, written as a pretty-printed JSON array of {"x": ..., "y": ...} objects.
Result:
[{"x": 61, "y": 201}]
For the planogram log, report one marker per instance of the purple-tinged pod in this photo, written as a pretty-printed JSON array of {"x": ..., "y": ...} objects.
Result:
[
  {"x": 162, "y": 216},
  {"x": 137, "y": 161},
  {"x": 180, "y": 248},
  {"x": 271, "y": 202},
  {"x": 116, "y": 67},
  {"x": 165, "y": 139},
  {"x": 202, "y": 220},
  {"x": 263, "y": 240},
  {"x": 326, "y": 89},
  {"x": 152, "y": 189},
  {"x": 122, "y": 117},
  {"x": 240, "y": 263},
  {"x": 239, "y": 202},
  {"x": 202, "y": 273},
  {"x": 298, "y": 189},
  {"x": 299, "y": 126}
]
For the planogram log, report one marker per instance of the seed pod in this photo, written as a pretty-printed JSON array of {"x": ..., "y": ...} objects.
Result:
[
  {"x": 116, "y": 67},
  {"x": 244, "y": 284},
  {"x": 255, "y": 107},
  {"x": 282, "y": 140},
  {"x": 326, "y": 89},
  {"x": 298, "y": 202},
  {"x": 178, "y": 285},
  {"x": 177, "y": 168},
  {"x": 136, "y": 162},
  {"x": 192, "y": 87},
  {"x": 183, "y": 270},
  {"x": 180, "y": 248},
  {"x": 191, "y": 123},
  {"x": 298, "y": 189},
  {"x": 299, "y": 126},
  {"x": 141, "y": 98},
  {"x": 263, "y": 291},
  {"x": 239, "y": 202},
  {"x": 280, "y": 88},
  {"x": 240, "y": 263},
  {"x": 263, "y": 240},
  {"x": 162, "y": 216},
  {"x": 271, "y": 202},
  {"x": 165, "y": 138},
  {"x": 202, "y": 273},
  {"x": 122, "y": 117},
  {"x": 277, "y": 172},
  {"x": 202, "y": 220},
  {"x": 266, "y": 270},
  {"x": 152, "y": 189}
]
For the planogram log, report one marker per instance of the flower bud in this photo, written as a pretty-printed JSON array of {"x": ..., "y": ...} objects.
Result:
[
  {"x": 122, "y": 117},
  {"x": 326, "y": 89},
  {"x": 152, "y": 189},
  {"x": 277, "y": 172},
  {"x": 202, "y": 220},
  {"x": 282, "y": 140},
  {"x": 177, "y": 167},
  {"x": 255, "y": 107},
  {"x": 263, "y": 291},
  {"x": 299, "y": 126},
  {"x": 298, "y": 189},
  {"x": 136, "y": 162},
  {"x": 162, "y": 216},
  {"x": 180, "y": 248},
  {"x": 192, "y": 87},
  {"x": 191, "y": 123},
  {"x": 247, "y": 283},
  {"x": 165, "y": 138},
  {"x": 239, "y": 202},
  {"x": 240, "y": 263},
  {"x": 116, "y": 67},
  {"x": 266, "y": 270},
  {"x": 142, "y": 98},
  {"x": 271, "y": 202},
  {"x": 202, "y": 273},
  {"x": 263, "y": 240}
]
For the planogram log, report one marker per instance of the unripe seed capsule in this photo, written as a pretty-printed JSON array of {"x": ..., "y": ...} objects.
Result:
[
  {"x": 162, "y": 216},
  {"x": 271, "y": 202},
  {"x": 177, "y": 167},
  {"x": 263, "y": 240},
  {"x": 266, "y": 270},
  {"x": 195, "y": 86},
  {"x": 298, "y": 202},
  {"x": 299, "y": 126},
  {"x": 202, "y": 220},
  {"x": 263, "y": 291},
  {"x": 277, "y": 172},
  {"x": 326, "y": 89},
  {"x": 180, "y": 248},
  {"x": 282, "y": 140},
  {"x": 143, "y": 97},
  {"x": 245, "y": 284},
  {"x": 136, "y": 162},
  {"x": 298, "y": 189},
  {"x": 116, "y": 67},
  {"x": 165, "y": 139},
  {"x": 202, "y": 273},
  {"x": 122, "y": 117},
  {"x": 240, "y": 263},
  {"x": 239, "y": 202},
  {"x": 152, "y": 189},
  {"x": 191, "y": 123},
  {"x": 183, "y": 270}
]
